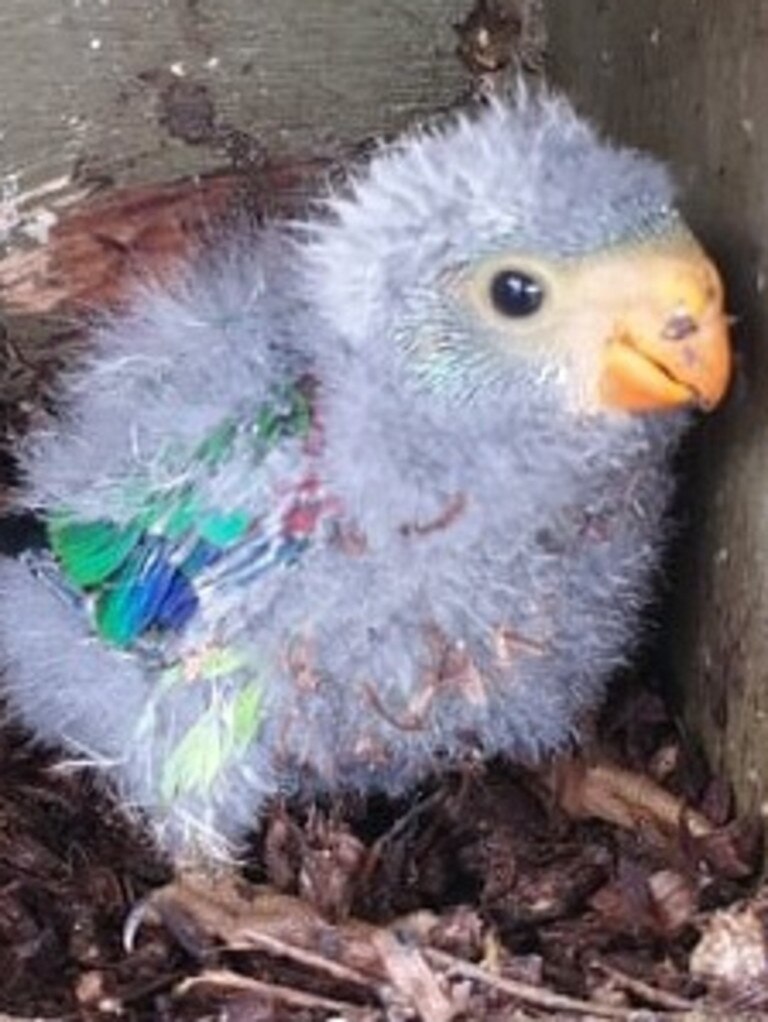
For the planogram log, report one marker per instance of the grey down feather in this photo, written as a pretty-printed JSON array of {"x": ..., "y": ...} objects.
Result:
[{"x": 477, "y": 543}]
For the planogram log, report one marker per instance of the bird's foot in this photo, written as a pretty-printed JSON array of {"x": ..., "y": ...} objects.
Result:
[
  {"x": 625, "y": 798},
  {"x": 203, "y": 909},
  {"x": 208, "y": 914},
  {"x": 196, "y": 908}
]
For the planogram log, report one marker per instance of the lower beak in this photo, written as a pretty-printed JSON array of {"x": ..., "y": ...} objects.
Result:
[{"x": 684, "y": 363}]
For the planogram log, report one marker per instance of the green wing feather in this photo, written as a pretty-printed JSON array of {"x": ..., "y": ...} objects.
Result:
[{"x": 139, "y": 575}]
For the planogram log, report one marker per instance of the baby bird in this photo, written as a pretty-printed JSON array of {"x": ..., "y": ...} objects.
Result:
[{"x": 372, "y": 492}]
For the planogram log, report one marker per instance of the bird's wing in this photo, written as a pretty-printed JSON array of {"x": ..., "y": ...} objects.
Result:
[
  {"x": 237, "y": 505},
  {"x": 176, "y": 487},
  {"x": 165, "y": 583}
]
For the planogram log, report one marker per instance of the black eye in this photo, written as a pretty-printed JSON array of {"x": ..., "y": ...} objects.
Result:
[{"x": 515, "y": 293}]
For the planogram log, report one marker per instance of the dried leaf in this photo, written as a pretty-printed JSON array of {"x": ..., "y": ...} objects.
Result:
[
  {"x": 732, "y": 952},
  {"x": 674, "y": 899}
]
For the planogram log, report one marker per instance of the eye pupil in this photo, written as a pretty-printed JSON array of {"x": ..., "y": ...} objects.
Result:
[{"x": 515, "y": 293}]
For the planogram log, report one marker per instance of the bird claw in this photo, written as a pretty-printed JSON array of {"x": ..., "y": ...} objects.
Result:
[
  {"x": 195, "y": 909},
  {"x": 133, "y": 923}
]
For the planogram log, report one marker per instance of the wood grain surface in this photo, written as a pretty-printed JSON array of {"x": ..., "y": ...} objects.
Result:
[
  {"x": 689, "y": 81},
  {"x": 96, "y": 92}
]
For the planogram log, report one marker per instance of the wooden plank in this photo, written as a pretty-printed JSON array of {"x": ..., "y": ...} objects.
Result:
[
  {"x": 103, "y": 90},
  {"x": 688, "y": 80}
]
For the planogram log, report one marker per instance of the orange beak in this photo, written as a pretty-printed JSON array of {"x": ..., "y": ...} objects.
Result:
[{"x": 674, "y": 350}]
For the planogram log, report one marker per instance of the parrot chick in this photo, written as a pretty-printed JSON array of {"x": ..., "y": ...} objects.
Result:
[{"x": 370, "y": 493}]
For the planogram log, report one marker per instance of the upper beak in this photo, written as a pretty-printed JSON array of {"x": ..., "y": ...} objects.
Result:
[{"x": 673, "y": 351}]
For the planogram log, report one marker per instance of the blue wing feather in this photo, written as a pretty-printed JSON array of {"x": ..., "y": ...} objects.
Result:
[{"x": 143, "y": 576}]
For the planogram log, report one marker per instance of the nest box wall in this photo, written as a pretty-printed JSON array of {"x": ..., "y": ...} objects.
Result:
[
  {"x": 99, "y": 90},
  {"x": 688, "y": 80}
]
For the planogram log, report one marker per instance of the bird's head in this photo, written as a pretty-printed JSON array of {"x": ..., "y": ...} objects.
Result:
[{"x": 516, "y": 247}]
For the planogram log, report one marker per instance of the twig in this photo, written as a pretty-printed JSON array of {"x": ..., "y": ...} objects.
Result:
[
  {"x": 526, "y": 992},
  {"x": 37, "y": 1018},
  {"x": 645, "y": 992},
  {"x": 412, "y": 977},
  {"x": 399, "y": 827},
  {"x": 275, "y": 991},
  {"x": 252, "y": 940}
]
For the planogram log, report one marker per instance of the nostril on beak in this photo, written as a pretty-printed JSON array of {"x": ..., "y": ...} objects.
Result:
[{"x": 679, "y": 326}]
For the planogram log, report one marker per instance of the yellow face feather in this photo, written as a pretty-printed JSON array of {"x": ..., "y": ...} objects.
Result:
[{"x": 638, "y": 328}]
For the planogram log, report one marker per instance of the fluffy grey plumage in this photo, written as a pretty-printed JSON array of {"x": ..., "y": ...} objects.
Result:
[{"x": 489, "y": 525}]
